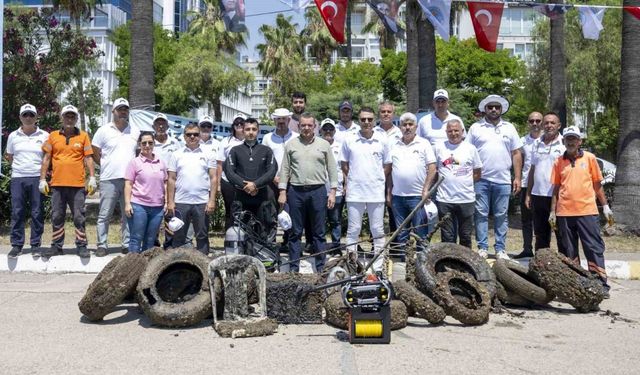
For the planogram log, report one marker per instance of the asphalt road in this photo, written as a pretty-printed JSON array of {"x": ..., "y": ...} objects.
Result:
[{"x": 42, "y": 331}]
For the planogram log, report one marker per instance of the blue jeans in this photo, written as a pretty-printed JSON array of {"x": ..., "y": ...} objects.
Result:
[
  {"x": 23, "y": 190},
  {"x": 491, "y": 197},
  {"x": 334, "y": 218},
  {"x": 144, "y": 223},
  {"x": 402, "y": 207}
]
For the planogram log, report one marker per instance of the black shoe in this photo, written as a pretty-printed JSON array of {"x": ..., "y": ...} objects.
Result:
[
  {"x": 101, "y": 252},
  {"x": 15, "y": 251},
  {"x": 83, "y": 252},
  {"x": 53, "y": 250},
  {"x": 523, "y": 254}
]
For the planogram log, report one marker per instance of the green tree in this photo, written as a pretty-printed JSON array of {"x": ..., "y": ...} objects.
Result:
[
  {"x": 165, "y": 52},
  {"x": 201, "y": 75}
]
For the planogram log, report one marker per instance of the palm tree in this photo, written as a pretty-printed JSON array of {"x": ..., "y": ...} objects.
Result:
[
  {"x": 281, "y": 43},
  {"x": 209, "y": 22},
  {"x": 627, "y": 190},
  {"x": 141, "y": 83},
  {"x": 557, "y": 63},
  {"x": 317, "y": 36},
  {"x": 79, "y": 10}
]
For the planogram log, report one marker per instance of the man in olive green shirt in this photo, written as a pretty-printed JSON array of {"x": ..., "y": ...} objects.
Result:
[{"x": 307, "y": 165}]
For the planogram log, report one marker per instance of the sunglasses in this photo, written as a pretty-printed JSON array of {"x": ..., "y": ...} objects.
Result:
[
  {"x": 366, "y": 119},
  {"x": 28, "y": 114},
  {"x": 191, "y": 134},
  {"x": 494, "y": 106},
  {"x": 534, "y": 121},
  {"x": 147, "y": 143}
]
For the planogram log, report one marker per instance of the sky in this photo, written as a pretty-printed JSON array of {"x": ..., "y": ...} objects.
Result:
[{"x": 254, "y": 22}]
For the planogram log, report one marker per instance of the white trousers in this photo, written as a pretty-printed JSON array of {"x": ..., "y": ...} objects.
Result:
[{"x": 355, "y": 210}]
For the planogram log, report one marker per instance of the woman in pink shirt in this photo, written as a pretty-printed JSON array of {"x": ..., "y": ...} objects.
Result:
[{"x": 144, "y": 195}]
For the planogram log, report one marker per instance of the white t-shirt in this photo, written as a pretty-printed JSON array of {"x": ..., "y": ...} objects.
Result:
[
  {"x": 192, "y": 174},
  {"x": 276, "y": 143},
  {"x": 164, "y": 150},
  {"x": 433, "y": 129},
  {"x": 527, "y": 144},
  {"x": 343, "y": 133},
  {"x": 393, "y": 134},
  {"x": 366, "y": 158},
  {"x": 224, "y": 149},
  {"x": 495, "y": 144},
  {"x": 409, "y": 166},
  {"x": 336, "y": 148},
  {"x": 27, "y": 152},
  {"x": 456, "y": 164},
  {"x": 117, "y": 147},
  {"x": 542, "y": 158}
]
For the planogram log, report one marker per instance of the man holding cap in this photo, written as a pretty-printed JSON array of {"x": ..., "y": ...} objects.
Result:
[
  {"x": 433, "y": 126},
  {"x": 114, "y": 146},
  {"x": 69, "y": 151},
  {"x": 24, "y": 153},
  {"x": 577, "y": 180},
  {"x": 498, "y": 145},
  {"x": 334, "y": 215},
  {"x": 345, "y": 126}
]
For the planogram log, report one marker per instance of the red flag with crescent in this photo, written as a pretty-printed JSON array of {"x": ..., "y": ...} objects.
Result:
[
  {"x": 633, "y": 10},
  {"x": 486, "y": 19},
  {"x": 333, "y": 13}
]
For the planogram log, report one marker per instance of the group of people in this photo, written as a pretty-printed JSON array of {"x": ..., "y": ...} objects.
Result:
[{"x": 312, "y": 169}]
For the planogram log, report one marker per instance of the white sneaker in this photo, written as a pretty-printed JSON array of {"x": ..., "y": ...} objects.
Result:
[
  {"x": 483, "y": 253},
  {"x": 502, "y": 255}
]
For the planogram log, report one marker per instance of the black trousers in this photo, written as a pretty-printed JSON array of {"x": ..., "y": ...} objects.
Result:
[
  {"x": 541, "y": 207},
  {"x": 526, "y": 219},
  {"x": 587, "y": 229}
]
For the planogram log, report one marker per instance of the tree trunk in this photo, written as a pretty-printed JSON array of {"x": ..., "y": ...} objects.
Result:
[
  {"x": 82, "y": 105},
  {"x": 627, "y": 190},
  {"x": 557, "y": 66},
  {"x": 428, "y": 74},
  {"x": 413, "y": 93},
  {"x": 141, "y": 83}
]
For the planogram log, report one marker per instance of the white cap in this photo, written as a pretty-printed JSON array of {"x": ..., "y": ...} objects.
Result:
[
  {"x": 572, "y": 130},
  {"x": 205, "y": 119},
  {"x": 120, "y": 102},
  {"x": 442, "y": 93},
  {"x": 431, "y": 210},
  {"x": 160, "y": 116},
  {"x": 281, "y": 112},
  {"x": 175, "y": 224},
  {"x": 69, "y": 108},
  {"x": 28, "y": 108},
  {"x": 240, "y": 115},
  {"x": 284, "y": 220}
]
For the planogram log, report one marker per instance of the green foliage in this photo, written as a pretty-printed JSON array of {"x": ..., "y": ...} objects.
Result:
[
  {"x": 93, "y": 100},
  {"x": 165, "y": 52}
]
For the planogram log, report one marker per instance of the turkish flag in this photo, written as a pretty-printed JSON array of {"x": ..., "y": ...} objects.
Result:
[
  {"x": 486, "y": 19},
  {"x": 333, "y": 13},
  {"x": 633, "y": 10}
]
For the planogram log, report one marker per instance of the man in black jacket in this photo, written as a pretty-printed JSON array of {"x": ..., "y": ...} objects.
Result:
[{"x": 250, "y": 168}]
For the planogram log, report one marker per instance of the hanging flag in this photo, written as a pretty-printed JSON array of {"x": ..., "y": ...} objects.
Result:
[
  {"x": 297, "y": 5},
  {"x": 437, "y": 12},
  {"x": 552, "y": 11},
  {"x": 633, "y": 10},
  {"x": 387, "y": 10},
  {"x": 591, "y": 21},
  {"x": 333, "y": 13},
  {"x": 486, "y": 18},
  {"x": 233, "y": 15}
]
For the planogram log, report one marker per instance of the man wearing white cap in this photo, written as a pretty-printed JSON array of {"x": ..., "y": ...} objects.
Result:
[
  {"x": 24, "y": 153},
  {"x": 114, "y": 146},
  {"x": 433, "y": 126},
  {"x": 498, "y": 145},
  {"x": 577, "y": 180},
  {"x": 69, "y": 152}
]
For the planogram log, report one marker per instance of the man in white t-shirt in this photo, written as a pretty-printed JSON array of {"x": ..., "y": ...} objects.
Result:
[
  {"x": 366, "y": 164},
  {"x": 191, "y": 188},
  {"x": 546, "y": 149},
  {"x": 24, "y": 153},
  {"x": 459, "y": 163},
  {"x": 433, "y": 126},
  {"x": 334, "y": 215},
  {"x": 413, "y": 169},
  {"x": 526, "y": 216},
  {"x": 114, "y": 146},
  {"x": 498, "y": 144}
]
